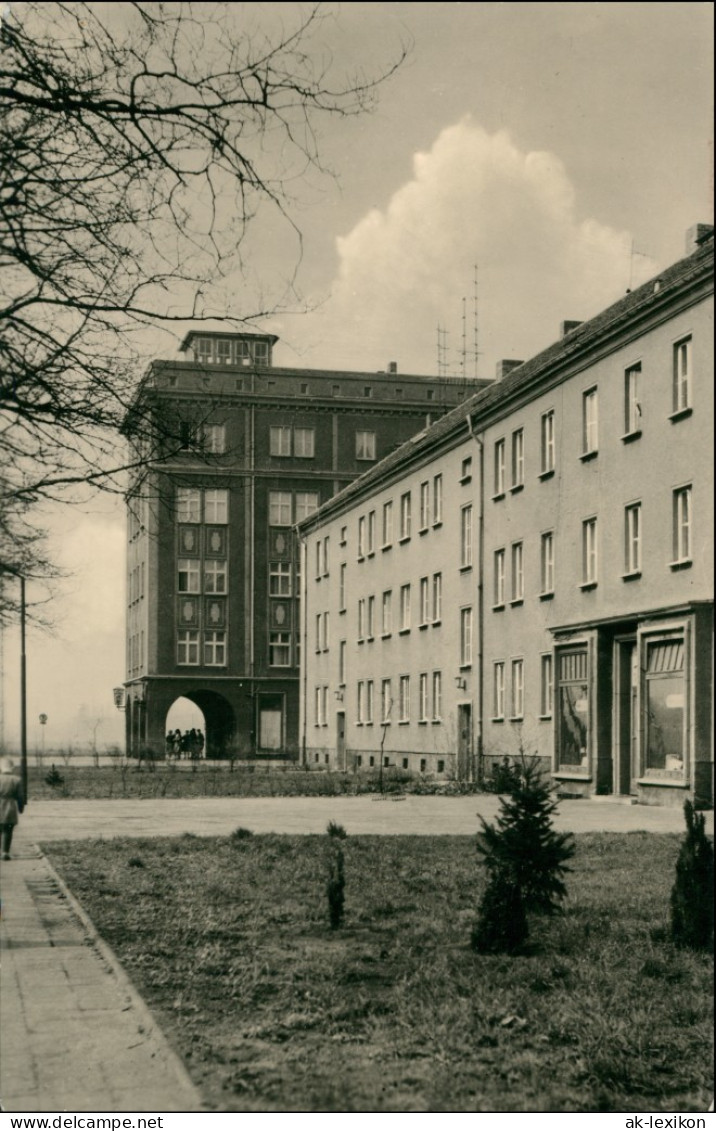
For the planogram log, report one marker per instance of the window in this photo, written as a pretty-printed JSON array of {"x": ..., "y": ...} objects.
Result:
[
  {"x": 260, "y": 351},
  {"x": 370, "y": 618},
  {"x": 404, "y": 698},
  {"x": 387, "y": 613},
  {"x": 518, "y": 690},
  {"x": 188, "y": 575},
  {"x": 632, "y": 407},
  {"x": 215, "y": 649},
  {"x": 371, "y": 532},
  {"x": 344, "y": 536},
  {"x": 682, "y": 525},
  {"x": 437, "y": 696},
  {"x": 424, "y": 601},
  {"x": 590, "y": 422},
  {"x": 572, "y": 704},
  {"x": 342, "y": 587},
  {"x": 320, "y": 708},
  {"x": 216, "y": 506},
  {"x": 187, "y": 647},
  {"x": 466, "y": 537},
  {"x": 547, "y": 456},
  {"x": 632, "y": 538},
  {"x": 306, "y": 504},
  {"x": 498, "y": 690},
  {"x": 342, "y": 645},
  {"x": 404, "y": 608},
  {"x": 466, "y": 470},
  {"x": 326, "y": 632},
  {"x": 423, "y": 697},
  {"x": 304, "y": 441},
  {"x": 547, "y": 563},
  {"x": 365, "y": 445},
  {"x": 664, "y": 715},
  {"x": 369, "y": 701},
  {"x": 188, "y": 504},
  {"x": 437, "y": 597},
  {"x": 499, "y": 578},
  {"x": 280, "y": 649},
  {"x": 367, "y": 391},
  {"x": 499, "y": 468},
  {"x": 280, "y": 441},
  {"x": 215, "y": 576},
  {"x": 319, "y": 628},
  {"x": 360, "y": 703},
  {"x": 326, "y": 544},
  {"x": 405, "y": 515},
  {"x": 361, "y": 618},
  {"x": 437, "y": 499},
  {"x": 518, "y": 576},
  {"x": 589, "y": 552},
  {"x": 465, "y": 637},
  {"x": 386, "y": 700},
  {"x": 545, "y": 687},
  {"x": 280, "y": 508},
  {"x": 424, "y": 506},
  {"x": 214, "y": 439},
  {"x": 362, "y": 527},
  {"x": 682, "y": 375},
  {"x": 518, "y": 459},
  {"x": 388, "y": 523},
  {"x": 319, "y": 559}
]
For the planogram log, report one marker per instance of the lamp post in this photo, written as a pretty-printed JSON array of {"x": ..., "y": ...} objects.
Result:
[{"x": 23, "y": 677}]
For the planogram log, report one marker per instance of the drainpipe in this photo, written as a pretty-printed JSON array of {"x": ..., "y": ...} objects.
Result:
[
  {"x": 478, "y": 776},
  {"x": 303, "y": 607}
]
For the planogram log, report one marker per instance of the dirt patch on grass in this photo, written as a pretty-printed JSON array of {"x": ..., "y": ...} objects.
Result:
[{"x": 228, "y": 940}]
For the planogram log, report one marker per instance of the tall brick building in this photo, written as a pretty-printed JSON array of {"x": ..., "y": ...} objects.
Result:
[{"x": 246, "y": 451}]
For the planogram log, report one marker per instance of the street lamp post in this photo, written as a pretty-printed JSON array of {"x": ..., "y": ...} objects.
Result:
[{"x": 23, "y": 676}]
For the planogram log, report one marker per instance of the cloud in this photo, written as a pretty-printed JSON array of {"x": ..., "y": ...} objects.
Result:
[{"x": 473, "y": 198}]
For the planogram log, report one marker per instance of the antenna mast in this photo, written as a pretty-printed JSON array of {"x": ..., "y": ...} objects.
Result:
[
  {"x": 476, "y": 351},
  {"x": 464, "y": 338}
]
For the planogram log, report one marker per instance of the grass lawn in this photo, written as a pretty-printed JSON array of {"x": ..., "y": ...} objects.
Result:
[
  {"x": 262, "y": 780},
  {"x": 228, "y": 940}
]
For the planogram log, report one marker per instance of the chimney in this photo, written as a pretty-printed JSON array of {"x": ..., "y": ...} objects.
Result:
[
  {"x": 506, "y": 366},
  {"x": 696, "y": 235},
  {"x": 567, "y": 327},
  {"x": 392, "y": 367}
]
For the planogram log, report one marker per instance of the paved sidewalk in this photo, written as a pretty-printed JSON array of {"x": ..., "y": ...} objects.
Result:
[
  {"x": 384, "y": 816},
  {"x": 76, "y": 1036}
]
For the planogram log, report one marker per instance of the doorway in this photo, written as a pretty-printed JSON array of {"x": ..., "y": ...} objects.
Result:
[
  {"x": 340, "y": 740},
  {"x": 626, "y": 730},
  {"x": 464, "y": 741}
]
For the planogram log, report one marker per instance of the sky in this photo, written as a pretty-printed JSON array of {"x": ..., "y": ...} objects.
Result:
[{"x": 563, "y": 149}]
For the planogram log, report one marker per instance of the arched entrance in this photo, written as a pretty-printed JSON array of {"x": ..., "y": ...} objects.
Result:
[{"x": 207, "y": 711}]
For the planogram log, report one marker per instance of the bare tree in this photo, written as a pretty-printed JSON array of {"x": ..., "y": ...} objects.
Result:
[{"x": 139, "y": 144}]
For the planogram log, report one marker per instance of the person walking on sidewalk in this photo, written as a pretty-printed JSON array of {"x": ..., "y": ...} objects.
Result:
[{"x": 12, "y": 803}]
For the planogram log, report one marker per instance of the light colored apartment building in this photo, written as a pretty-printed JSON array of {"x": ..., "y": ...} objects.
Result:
[{"x": 534, "y": 572}]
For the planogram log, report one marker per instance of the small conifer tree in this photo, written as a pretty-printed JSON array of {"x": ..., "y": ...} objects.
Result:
[
  {"x": 692, "y": 896},
  {"x": 526, "y": 860},
  {"x": 336, "y": 882}
]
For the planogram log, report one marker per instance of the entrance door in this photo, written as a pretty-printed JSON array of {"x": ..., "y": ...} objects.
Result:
[
  {"x": 464, "y": 748},
  {"x": 626, "y": 685},
  {"x": 341, "y": 740}
]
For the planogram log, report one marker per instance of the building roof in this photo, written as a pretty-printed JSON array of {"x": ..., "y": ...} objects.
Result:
[{"x": 554, "y": 363}]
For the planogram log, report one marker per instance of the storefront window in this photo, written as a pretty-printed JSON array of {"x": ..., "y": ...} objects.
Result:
[
  {"x": 573, "y": 702},
  {"x": 665, "y": 693}
]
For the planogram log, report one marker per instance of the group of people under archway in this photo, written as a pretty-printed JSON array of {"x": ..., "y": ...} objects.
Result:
[{"x": 188, "y": 745}]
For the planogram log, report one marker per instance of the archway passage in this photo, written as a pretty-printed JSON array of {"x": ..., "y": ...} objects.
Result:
[{"x": 211, "y": 713}]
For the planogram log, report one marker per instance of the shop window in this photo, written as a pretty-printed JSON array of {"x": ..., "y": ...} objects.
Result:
[
  {"x": 572, "y": 731},
  {"x": 664, "y": 707}
]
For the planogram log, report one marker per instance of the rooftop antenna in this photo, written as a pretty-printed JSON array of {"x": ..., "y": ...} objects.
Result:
[
  {"x": 442, "y": 351},
  {"x": 476, "y": 351},
  {"x": 464, "y": 338},
  {"x": 632, "y": 255}
]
